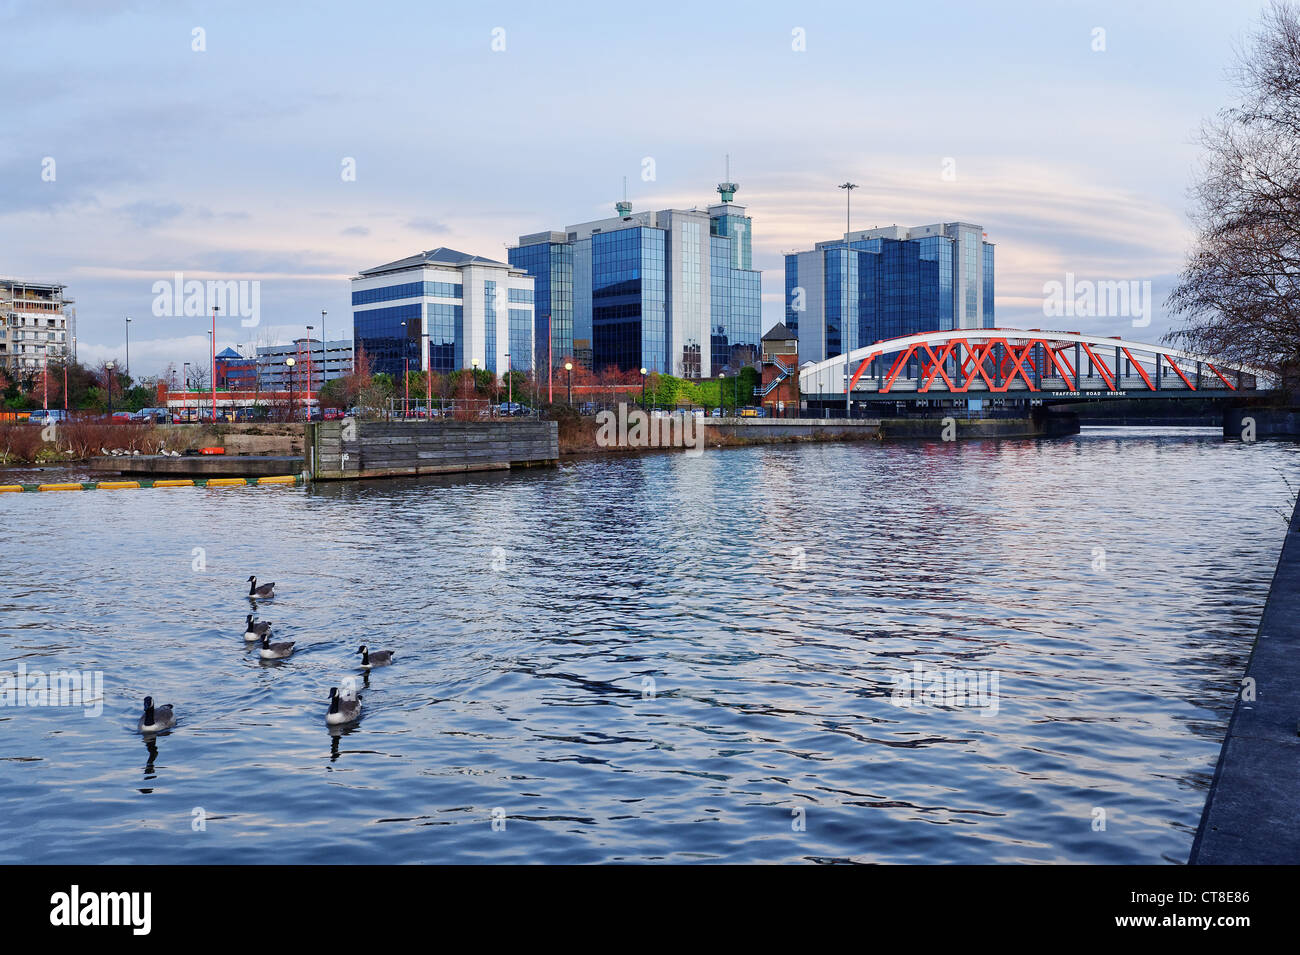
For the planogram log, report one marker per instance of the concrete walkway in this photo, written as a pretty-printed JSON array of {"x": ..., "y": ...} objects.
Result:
[{"x": 1252, "y": 814}]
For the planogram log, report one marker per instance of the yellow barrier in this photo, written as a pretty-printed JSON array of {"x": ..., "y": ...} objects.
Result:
[
  {"x": 177, "y": 483},
  {"x": 10, "y": 488},
  {"x": 117, "y": 485},
  {"x": 59, "y": 487},
  {"x": 226, "y": 482},
  {"x": 279, "y": 479}
]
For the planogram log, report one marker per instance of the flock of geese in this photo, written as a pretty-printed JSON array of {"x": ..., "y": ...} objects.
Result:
[{"x": 343, "y": 707}]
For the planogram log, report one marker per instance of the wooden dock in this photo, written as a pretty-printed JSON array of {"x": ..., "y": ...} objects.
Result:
[
  {"x": 349, "y": 449},
  {"x": 199, "y": 465}
]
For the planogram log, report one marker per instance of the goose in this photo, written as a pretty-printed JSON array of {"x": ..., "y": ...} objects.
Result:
[
  {"x": 275, "y": 651},
  {"x": 380, "y": 658},
  {"x": 342, "y": 710},
  {"x": 255, "y": 631},
  {"x": 155, "y": 720},
  {"x": 266, "y": 591}
]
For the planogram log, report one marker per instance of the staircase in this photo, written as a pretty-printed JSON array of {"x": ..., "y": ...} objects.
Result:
[{"x": 763, "y": 390}]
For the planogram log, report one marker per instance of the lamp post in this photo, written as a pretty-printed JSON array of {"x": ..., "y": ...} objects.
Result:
[
  {"x": 185, "y": 369},
  {"x": 568, "y": 369},
  {"x": 108, "y": 367},
  {"x": 128, "y": 346},
  {"x": 289, "y": 362},
  {"x": 45, "y": 378},
  {"x": 406, "y": 373},
  {"x": 643, "y": 374},
  {"x": 722, "y": 397},
  {"x": 848, "y": 188}
]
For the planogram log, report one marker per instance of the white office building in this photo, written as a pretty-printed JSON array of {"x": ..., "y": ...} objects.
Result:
[{"x": 444, "y": 310}]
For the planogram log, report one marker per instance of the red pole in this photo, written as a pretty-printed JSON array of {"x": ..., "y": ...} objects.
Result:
[
  {"x": 45, "y": 380},
  {"x": 214, "y": 364},
  {"x": 308, "y": 411}
]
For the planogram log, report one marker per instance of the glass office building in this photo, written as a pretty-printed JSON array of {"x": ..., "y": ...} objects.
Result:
[
  {"x": 883, "y": 283},
  {"x": 670, "y": 291},
  {"x": 444, "y": 310}
]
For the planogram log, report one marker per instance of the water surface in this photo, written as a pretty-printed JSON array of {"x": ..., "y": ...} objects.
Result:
[{"x": 651, "y": 658}]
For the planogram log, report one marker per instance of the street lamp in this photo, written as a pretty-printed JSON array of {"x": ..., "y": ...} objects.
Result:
[
  {"x": 290, "y": 363},
  {"x": 473, "y": 373},
  {"x": 722, "y": 398},
  {"x": 643, "y": 374},
  {"x": 568, "y": 368},
  {"x": 406, "y": 372},
  {"x": 128, "y": 346},
  {"x": 108, "y": 366}
]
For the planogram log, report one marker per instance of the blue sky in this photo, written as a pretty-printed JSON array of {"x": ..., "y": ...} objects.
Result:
[{"x": 226, "y": 163}]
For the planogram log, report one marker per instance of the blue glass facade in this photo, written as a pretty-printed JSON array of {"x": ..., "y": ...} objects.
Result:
[
  {"x": 387, "y": 344},
  {"x": 625, "y": 296},
  {"x": 521, "y": 339},
  {"x": 490, "y": 324},
  {"x": 628, "y": 309},
  {"x": 988, "y": 287},
  {"x": 551, "y": 266},
  {"x": 880, "y": 288},
  {"x": 408, "y": 290}
]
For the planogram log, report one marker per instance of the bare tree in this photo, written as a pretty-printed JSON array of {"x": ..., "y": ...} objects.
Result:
[{"x": 1239, "y": 292}]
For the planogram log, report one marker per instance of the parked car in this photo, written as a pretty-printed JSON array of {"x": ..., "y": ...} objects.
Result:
[
  {"x": 43, "y": 416},
  {"x": 154, "y": 415},
  {"x": 333, "y": 413},
  {"x": 715, "y": 413},
  {"x": 587, "y": 408},
  {"x": 120, "y": 416}
]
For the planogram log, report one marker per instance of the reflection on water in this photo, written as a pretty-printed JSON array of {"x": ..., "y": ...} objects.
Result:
[{"x": 654, "y": 657}]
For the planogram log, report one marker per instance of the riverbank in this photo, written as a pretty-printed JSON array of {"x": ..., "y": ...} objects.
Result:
[
  {"x": 1254, "y": 800},
  {"x": 580, "y": 437}
]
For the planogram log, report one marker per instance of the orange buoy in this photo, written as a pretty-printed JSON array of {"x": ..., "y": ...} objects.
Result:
[{"x": 212, "y": 450}]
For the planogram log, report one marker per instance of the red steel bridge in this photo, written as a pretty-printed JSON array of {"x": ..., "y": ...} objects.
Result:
[{"x": 1025, "y": 365}]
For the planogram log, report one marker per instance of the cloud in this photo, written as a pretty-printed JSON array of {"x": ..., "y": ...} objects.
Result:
[
  {"x": 425, "y": 224},
  {"x": 357, "y": 230},
  {"x": 147, "y": 213}
]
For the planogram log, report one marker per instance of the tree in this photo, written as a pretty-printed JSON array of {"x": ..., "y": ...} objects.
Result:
[{"x": 1240, "y": 289}]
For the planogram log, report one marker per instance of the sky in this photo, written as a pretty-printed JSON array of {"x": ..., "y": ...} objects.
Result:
[{"x": 144, "y": 139}]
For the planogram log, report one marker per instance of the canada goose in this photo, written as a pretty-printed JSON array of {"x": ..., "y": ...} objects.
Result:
[
  {"x": 342, "y": 710},
  {"x": 155, "y": 720},
  {"x": 255, "y": 631},
  {"x": 275, "y": 651},
  {"x": 266, "y": 591},
  {"x": 380, "y": 658}
]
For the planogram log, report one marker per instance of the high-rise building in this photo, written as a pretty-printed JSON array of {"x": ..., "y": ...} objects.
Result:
[
  {"x": 882, "y": 283},
  {"x": 37, "y": 324},
  {"x": 671, "y": 291},
  {"x": 476, "y": 311}
]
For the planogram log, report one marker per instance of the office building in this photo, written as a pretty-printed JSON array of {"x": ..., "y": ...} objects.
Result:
[
  {"x": 321, "y": 360},
  {"x": 882, "y": 283},
  {"x": 38, "y": 323},
  {"x": 671, "y": 291},
  {"x": 477, "y": 312}
]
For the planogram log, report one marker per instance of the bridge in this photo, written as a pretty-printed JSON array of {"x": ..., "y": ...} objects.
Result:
[{"x": 1024, "y": 365}]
